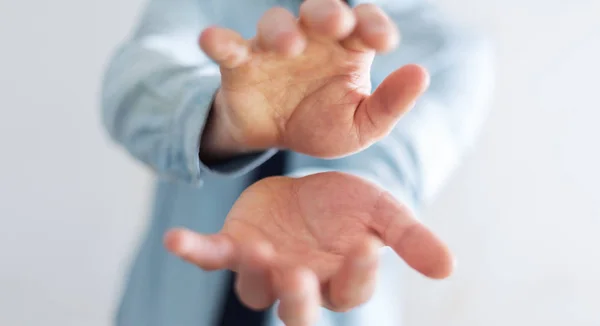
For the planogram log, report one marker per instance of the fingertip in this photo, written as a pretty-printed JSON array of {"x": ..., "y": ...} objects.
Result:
[
  {"x": 330, "y": 18},
  {"x": 393, "y": 40},
  {"x": 444, "y": 267},
  {"x": 385, "y": 41},
  {"x": 355, "y": 282},
  {"x": 421, "y": 249},
  {"x": 375, "y": 29},
  {"x": 308, "y": 278},
  {"x": 395, "y": 96},
  {"x": 206, "y": 36},
  {"x": 300, "y": 283},
  {"x": 418, "y": 74},
  {"x": 210, "y": 40},
  {"x": 412, "y": 240},
  {"x": 279, "y": 32},
  {"x": 174, "y": 241},
  {"x": 299, "y": 296},
  {"x": 210, "y": 252},
  {"x": 224, "y": 46},
  {"x": 255, "y": 282}
]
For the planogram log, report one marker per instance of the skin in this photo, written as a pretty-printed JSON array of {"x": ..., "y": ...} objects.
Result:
[
  {"x": 311, "y": 241},
  {"x": 304, "y": 84}
]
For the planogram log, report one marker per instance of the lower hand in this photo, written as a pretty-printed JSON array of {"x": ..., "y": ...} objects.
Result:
[{"x": 312, "y": 241}]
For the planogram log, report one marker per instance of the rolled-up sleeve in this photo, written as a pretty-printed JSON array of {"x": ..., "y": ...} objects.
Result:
[{"x": 158, "y": 90}]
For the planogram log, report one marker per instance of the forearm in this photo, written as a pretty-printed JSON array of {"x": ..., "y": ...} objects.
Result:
[
  {"x": 158, "y": 92},
  {"x": 219, "y": 141}
]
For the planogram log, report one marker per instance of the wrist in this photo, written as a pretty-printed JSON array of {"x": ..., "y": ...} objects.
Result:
[{"x": 218, "y": 140}]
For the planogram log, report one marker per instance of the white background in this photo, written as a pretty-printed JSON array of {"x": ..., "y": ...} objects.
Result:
[{"x": 522, "y": 213}]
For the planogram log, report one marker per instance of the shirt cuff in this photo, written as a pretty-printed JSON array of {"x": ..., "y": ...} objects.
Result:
[{"x": 186, "y": 139}]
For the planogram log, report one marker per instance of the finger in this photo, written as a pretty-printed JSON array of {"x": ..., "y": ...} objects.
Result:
[
  {"x": 299, "y": 297},
  {"x": 224, "y": 46},
  {"x": 254, "y": 282},
  {"x": 331, "y": 18},
  {"x": 279, "y": 32},
  {"x": 379, "y": 113},
  {"x": 355, "y": 282},
  {"x": 209, "y": 252},
  {"x": 374, "y": 30},
  {"x": 418, "y": 246}
]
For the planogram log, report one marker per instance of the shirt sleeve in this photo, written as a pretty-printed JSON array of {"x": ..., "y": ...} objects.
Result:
[
  {"x": 414, "y": 160},
  {"x": 158, "y": 90}
]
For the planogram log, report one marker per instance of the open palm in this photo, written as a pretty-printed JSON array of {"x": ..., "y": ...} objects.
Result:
[
  {"x": 318, "y": 235},
  {"x": 304, "y": 84}
]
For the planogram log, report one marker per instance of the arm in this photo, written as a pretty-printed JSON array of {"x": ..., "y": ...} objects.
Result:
[
  {"x": 158, "y": 91},
  {"x": 330, "y": 226},
  {"x": 415, "y": 158}
]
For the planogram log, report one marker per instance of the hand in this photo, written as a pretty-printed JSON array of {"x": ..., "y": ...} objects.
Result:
[
  {"x": 311, "y": 241},
  {"x": 305, "y": 84}
]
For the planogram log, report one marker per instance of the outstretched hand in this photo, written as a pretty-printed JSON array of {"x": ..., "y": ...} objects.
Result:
[
  {"x": 304, "y": 83},
  {"x": 312, "y": 241}
]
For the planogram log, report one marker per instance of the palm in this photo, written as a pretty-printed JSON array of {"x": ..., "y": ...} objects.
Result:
[
  {"x": 306, "y": 103},
  {"x": 313, "y": 221},
  {"x": 317, "y": 220},
  {"x": 329, "y": 224}
]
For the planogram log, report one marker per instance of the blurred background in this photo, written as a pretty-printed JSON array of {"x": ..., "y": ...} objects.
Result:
[{"x": 522, "y": 213}]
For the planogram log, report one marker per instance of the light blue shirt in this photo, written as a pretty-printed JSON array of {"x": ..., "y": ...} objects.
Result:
[{"x": 156, "y": 97}]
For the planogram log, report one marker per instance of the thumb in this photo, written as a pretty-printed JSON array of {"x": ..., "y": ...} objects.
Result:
[
  {"x": 415, "y": 243},
  {"x": 378, "y": 114}
]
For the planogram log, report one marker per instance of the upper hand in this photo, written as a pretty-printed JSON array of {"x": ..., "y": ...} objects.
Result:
[
  {"x": 304, "y": 84},
  {"x": 311, "y": 241}
]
